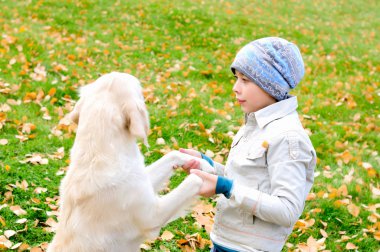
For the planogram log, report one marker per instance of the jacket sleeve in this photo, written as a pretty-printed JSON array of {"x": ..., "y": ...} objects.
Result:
[
  {"x": 291, "y": 161},
  {"x": 219, "y": 169}
]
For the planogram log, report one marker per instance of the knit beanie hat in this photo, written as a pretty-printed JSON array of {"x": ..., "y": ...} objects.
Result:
[{"x": 272, "y": 63}]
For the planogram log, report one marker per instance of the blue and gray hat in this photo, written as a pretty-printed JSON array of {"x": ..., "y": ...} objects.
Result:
[{"x": 274, "y": 64}]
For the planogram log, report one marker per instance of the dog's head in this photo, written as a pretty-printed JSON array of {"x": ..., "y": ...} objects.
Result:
[{"x": 123, "y": 92}]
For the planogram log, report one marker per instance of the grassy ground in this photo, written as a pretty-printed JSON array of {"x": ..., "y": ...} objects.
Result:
[{"x": 181, "y": 52}]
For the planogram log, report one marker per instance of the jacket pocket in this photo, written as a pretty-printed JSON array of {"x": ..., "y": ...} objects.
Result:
[
  {"x": 228, "y": 215},
  {"x": 257, "y": 157}
]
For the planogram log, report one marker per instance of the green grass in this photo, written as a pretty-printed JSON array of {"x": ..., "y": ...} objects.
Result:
[{"x": 181, "y": 51}]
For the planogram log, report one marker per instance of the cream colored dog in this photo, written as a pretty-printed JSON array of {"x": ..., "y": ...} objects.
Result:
[{"x": 109, "y": 199}]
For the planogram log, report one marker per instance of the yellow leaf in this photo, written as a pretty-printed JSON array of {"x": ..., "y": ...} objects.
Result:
[
  {"x": 4, "y": 242},
  {"x": 2, "y": 221},
  {"x": 201, "y": 126},
  {"x": 160, "y": 141},
  {"x": 36, "y": 249},
  {"x": 265, "y": 145},
  {"x": 39, "y": 190},
  {"x": 353, "y": 209},
  {"x": 371, "y": 172},
  {"x": 17, "y": 210},
  {"x": 351, "y": 246},
  {"x": 375, "y": 192},
  {"x": 51, "y": 222},
  {"x": 357, "y": 117},
  {"x": 323, "y": 233},
  {"x": 9, "y": 233},
  {"x": 167, "y": 235},
  {"x": 52, "y": 91},
  {"x": 346, "y": 156},
  {"x": 376, "y": 235}
]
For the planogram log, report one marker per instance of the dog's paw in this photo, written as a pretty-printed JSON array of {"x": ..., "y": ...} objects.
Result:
[
  {"x": 180, "y": 159},
  {"x": 194, "y": 182}
]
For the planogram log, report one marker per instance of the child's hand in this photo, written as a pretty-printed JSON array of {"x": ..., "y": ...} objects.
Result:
[
  {"x": 192, "y": 164},
  {"x": 209, "y": 182}
]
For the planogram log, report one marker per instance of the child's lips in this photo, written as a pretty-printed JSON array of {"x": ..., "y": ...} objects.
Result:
[{"x": 240, "y": 101}]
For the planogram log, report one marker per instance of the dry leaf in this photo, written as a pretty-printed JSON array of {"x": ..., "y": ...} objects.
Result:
[
  {"x": 9, "y": 233},
  {"x": 375, "y": 192},
  {"x": 36, "y": 249},
  {"x": 160, "y": 141},
  {"x": 350, "y": 246},
  {"x": 204, "y": 215},
  {"x": 21, "y": 221},
  {"x": 323, "y": 233},
  {"x": 35, "y": 159},
  {"x": 167, "y": 235},
  {"x": 17, "y": 210},
  {"x": 265, "y": 145},
  {"x": 23, "y": 185},
  {"x": 4, "y": 242},
  {"x": 16, "y": 245},
  {"x": 59, "y": 154},
  {"x": 353, "y": 209}
]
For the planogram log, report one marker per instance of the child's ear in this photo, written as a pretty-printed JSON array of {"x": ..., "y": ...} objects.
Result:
[{"x": 136, "y": 119}]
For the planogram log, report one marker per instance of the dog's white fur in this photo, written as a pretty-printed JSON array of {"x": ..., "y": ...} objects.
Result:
[{"x": 109, "y": 199}]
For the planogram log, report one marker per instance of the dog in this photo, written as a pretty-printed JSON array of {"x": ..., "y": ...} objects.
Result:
[{"x": 109, "y": 200}]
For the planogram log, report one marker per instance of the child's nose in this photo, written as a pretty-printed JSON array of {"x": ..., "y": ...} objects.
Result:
[{"x": 236, "y": 87}]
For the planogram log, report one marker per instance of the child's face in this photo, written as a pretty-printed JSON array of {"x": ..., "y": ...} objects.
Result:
[{"x": 250, "y": 96}]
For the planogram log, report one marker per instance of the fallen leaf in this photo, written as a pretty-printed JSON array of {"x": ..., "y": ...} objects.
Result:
[
  {"x": 376, "y": 235},
  {"x": 353, "y": 209},
  {"x": 4, "y": 242},
  {"x": 9, "y": 233},
  {"x": 375, "y": 192},
  {"x": 350, "y": 246},
  {"x": 59, "y": 154},
  {"x": 39, "y": 190},
  {"x": 35, "y": 159},
  {"x": 3, "y": 141},
  {"x": 204, "y": 215},
  {"x": 21, "y": 221},
  {"x": 167, "y": 235},
  {"x": 16, "y": 245},
  {"x": 160, "y": 141},
  {"x": 17, "y": 210},
  {"x": 323, "y": 233}
]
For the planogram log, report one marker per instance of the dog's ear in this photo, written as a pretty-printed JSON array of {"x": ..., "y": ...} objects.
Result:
[
  {"x": 136, "y": 119},
  {"x": 74, "y": 114}
]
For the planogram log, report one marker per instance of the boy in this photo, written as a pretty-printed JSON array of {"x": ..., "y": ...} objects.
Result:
[{"x": 270, "y": 167}]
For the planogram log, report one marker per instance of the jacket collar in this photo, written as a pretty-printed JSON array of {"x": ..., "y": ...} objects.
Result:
[{"x": 272, "y": 112}]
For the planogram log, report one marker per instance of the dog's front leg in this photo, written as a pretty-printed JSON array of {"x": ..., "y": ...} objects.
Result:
[
  {"x": 174, "y": 204},
  {"x": 161, "y": 170}
]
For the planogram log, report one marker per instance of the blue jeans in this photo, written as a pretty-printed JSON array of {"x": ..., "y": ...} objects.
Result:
[{"x": 218, "y": 248}]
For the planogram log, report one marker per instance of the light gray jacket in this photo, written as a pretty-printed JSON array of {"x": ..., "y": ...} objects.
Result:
[{"x": 272, "y": 163}]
